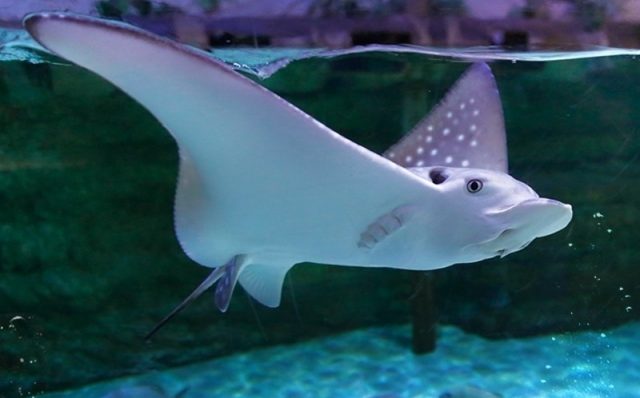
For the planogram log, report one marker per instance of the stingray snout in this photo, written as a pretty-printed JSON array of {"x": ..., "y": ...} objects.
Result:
[
  {"x": 523, "y": 222},
  {"x": 537, "y": 216}
]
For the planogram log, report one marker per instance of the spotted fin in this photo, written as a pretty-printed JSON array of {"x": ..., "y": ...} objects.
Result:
[{"x": 466, "y": 129}]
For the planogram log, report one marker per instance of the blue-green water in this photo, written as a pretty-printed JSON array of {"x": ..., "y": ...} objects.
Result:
[
  {"x": 89, "y": 260},
  {"x": 375, "y": 363}
]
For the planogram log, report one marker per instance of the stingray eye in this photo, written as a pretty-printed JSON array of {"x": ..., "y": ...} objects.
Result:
[{"x": 474, "y": 185}]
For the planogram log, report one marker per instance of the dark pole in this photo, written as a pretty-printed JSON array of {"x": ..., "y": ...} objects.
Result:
[
  {"x": 423, "y": 313},
  {"x": 423, "y": 308}
]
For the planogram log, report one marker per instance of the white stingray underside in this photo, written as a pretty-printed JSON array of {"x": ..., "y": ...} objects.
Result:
[{"x": 258, "y": 176}]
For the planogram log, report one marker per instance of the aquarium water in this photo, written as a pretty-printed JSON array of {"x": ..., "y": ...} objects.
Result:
[{"x": 89, "y": 261}]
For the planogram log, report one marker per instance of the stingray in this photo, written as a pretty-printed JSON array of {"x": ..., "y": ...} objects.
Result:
[{"x": 263, "y": 186}]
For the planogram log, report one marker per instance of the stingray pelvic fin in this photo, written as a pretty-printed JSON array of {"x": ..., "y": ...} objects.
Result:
[
  {"x": 264, "y": 282},
  {"x": 228, "y": 280},
  {"x": 223, "y": 272}
]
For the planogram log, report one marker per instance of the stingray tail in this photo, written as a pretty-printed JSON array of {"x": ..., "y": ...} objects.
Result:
[
  {"x": 228, "y": 274},
  {"x": 263, "y": 283}
]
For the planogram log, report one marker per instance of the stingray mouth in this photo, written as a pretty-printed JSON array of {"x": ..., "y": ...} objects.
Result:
[
  {"x": 500, "y": 245},
  {"x": 503, "y": 243},
  {"x": 509, "y": 242},
  {"x": 524, "y": 222},
  {"x": 502, "y": 237}
]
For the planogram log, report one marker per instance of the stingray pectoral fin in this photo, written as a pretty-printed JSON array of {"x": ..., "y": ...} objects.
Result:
[
  {"x": 264, "y": 282},
  {"x": 254, "y": 168},
  {"x": 385, "y": 226}
]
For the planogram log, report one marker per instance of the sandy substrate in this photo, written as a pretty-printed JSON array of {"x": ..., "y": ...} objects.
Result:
[{"x": 377, "y": 363}]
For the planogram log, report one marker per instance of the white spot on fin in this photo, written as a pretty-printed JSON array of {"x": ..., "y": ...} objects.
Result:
[{"x": 471, "y": 108}]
